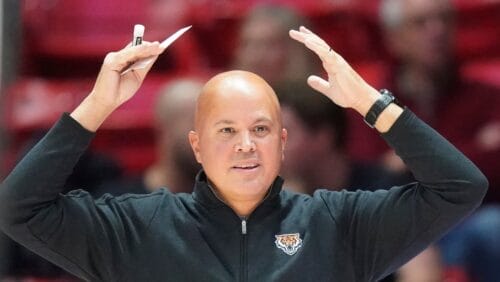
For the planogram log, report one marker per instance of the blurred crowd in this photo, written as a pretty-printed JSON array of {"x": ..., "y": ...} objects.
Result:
[{"x": 438, "y": 57}]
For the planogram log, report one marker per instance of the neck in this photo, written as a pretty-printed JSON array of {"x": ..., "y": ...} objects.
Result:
[{"x": 242, "y": 207}]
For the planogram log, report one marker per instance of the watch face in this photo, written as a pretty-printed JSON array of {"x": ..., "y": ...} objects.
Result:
[{"x": 385, "y": 92}]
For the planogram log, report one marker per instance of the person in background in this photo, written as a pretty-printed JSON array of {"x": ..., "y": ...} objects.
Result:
[
  {"x": 175, "y": 167},
  {"x": 426, "y": 266},
  {"x": 322, "y": 128},
  {"x": 419, "y": 35},
  {"x": 471, "y": 251},
  {"x": 264, "y": 48}
]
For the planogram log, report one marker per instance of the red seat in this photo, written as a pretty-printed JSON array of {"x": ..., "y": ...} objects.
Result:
[
  {"x": 74, "y": 28},
  {"x": 34, "y": 104},
  {"x": 487, "y": 71},
  {"x": 59, "y": 35}
]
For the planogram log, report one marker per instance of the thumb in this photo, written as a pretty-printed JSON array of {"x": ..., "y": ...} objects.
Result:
[{"x": 318, "y": 84}]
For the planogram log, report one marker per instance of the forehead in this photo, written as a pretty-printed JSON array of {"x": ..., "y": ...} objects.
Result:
[
  {"x": 239, "y": 100},
  {"x": 234, "y": 105},
  {"x": 422, "y": 7},
  {"x": 265, "y": 28}
]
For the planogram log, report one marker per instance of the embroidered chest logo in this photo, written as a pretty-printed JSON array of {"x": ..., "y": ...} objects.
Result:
[{"x": 288, "y": 243}]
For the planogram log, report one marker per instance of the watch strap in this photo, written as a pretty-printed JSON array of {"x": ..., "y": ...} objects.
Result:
[{"x": 385, "y": 99}]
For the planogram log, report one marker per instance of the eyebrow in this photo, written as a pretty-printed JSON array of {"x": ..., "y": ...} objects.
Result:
[
  {"x": 224, "y": 121},
  {"x": 230, "y": 122}
]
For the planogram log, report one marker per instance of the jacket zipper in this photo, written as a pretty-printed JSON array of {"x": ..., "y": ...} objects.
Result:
[
  {"x": 243, "y": 257},
  {"x": 243, "y": 242},
  {"x": 244, "y": 226}
]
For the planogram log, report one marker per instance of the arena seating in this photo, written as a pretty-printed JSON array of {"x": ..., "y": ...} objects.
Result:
[{"x": 65, "y": 41}]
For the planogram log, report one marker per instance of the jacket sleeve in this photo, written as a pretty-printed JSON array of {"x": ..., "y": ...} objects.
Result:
[
  {"x": 386, "y": 228},
  {"x": 82, "y": 236}
]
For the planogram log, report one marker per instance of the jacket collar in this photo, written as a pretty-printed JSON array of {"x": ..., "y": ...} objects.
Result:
[{"x": 204, "y": 194}]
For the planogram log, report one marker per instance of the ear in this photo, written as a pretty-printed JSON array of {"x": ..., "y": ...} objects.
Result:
[
  {"x": 194, "y": 140},
  {"x": 284, "y": 138}
]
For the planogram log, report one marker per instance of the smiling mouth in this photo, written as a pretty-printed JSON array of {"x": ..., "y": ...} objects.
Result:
[{"x": 246, "y": 167}]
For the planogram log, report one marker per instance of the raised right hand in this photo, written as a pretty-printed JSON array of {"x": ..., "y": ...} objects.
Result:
[{"x": 112, "y": 88}]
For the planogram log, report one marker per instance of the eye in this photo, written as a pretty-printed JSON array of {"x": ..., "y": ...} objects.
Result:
[
  {"x": 261, "y": 130},
  {"x": 227, "y": 130}
]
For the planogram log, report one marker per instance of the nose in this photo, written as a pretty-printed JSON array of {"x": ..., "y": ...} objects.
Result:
[{"x": 245, "y": 144}]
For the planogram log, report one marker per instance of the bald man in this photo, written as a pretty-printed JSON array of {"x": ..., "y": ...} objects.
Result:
[{"x": 238, "y": 224}]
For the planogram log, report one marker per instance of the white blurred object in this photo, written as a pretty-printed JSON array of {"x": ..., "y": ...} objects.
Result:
[
  {"x": 488, "y": 137},
  {"x": 144, "y": 62},
  {"x": 138, "y": 34}
]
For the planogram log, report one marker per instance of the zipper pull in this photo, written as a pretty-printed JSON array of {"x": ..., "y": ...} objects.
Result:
[{"x": 244, "y": 226}]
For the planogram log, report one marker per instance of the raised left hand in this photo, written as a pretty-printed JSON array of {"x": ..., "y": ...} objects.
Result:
[{"x": 344, "y": 86}]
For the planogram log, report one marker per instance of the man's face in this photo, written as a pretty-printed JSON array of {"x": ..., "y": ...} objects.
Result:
[
  {"x": 424, "y": 37},
  {"x": 263, "y": 49},
  {"x": 239, "y": 139}
]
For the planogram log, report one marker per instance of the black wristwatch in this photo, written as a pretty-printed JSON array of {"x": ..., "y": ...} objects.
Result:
[{"x": 385, "y": 99}]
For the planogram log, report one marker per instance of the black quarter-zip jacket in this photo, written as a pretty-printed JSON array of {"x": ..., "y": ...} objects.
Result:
[{"x": 338, "y": 236}]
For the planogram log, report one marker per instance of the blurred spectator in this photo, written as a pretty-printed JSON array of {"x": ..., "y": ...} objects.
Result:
[
  {"x": 472, "y": 251},
  {"x": 264, "y": 46},
  {"x": 321, "y": 126},
  {"x": 425, "y": 77},
  {"x": 427, "y": 266},
  {"x": 175, "y": 167}
]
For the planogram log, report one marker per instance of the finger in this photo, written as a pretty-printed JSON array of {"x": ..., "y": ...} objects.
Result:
[
  {"x": 331, "y": 59},
  {"x": 138, "y": 52},
  {"x": 302, "y": 34},
  {"x": 316, "y": 44},
  {"x": 118, "y": 61},
  {"x": 131, "y": 44},
  {"x": 305, "y": 29},
  {"x": 320, "y": 50},
  {"x": 327, "y": 56},
  {"x": 297, "y": 35},
  {"x": 318, "y": 84},
  {"x": 141, "y": 72}
]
